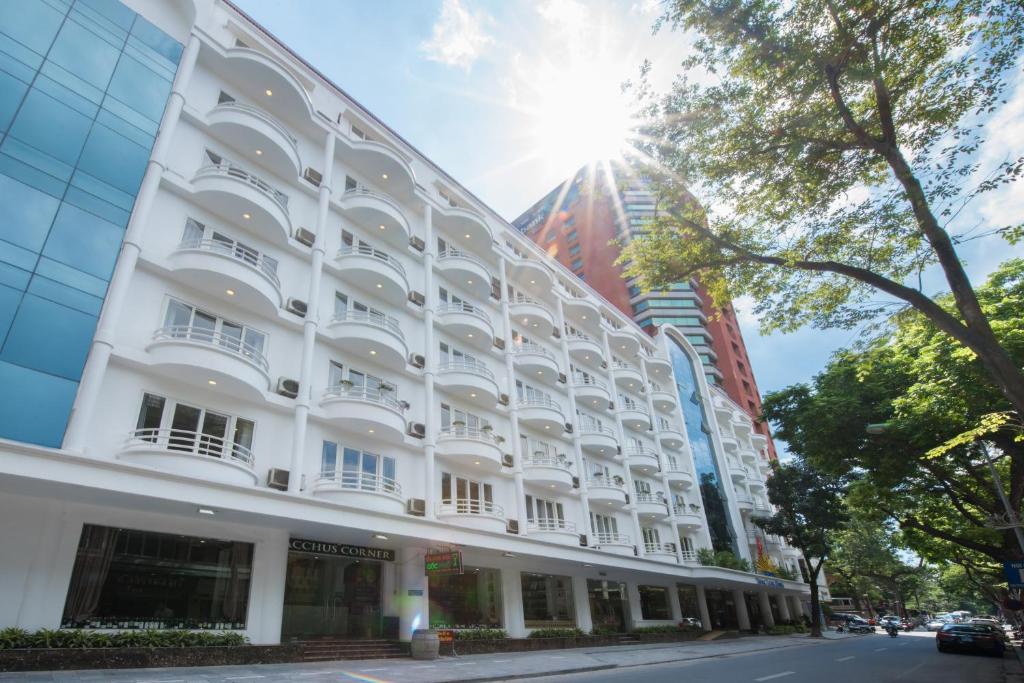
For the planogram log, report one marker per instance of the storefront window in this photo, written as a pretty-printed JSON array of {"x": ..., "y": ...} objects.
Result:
[
  {"x": 654, "y": 603},
  {"x": 125, "y": 578},
  {"x": 468, "y": 600},
  {"x": 547, "y": 601},
  {"x": 688, "y": 602}
]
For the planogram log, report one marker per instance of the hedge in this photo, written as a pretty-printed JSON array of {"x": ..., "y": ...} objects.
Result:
[
  {"x": 481, "y": 634},
  {"x": 556, "y": 633},
  {"x": 17, "y": 638},
  {"x": 667, "y": 628}
]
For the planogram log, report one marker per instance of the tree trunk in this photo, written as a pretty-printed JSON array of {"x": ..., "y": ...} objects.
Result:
[{"x": 815, "y": 607}]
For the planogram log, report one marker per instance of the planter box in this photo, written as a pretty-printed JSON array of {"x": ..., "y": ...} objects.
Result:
[
  {"x": 63, "y": 659},
  {"x": 478, "y": 647}
]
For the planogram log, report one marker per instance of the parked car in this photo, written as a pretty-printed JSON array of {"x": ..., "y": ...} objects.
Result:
[
  {"x": 969, "y": 638},
  {"x": 935, "y": 625}
]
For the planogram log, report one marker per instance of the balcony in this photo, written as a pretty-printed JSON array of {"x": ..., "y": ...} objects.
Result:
[
  {"x": 361, "y": 490},
  {"x": 633, "y": 416},
  {"x": 475, "y": 514},
  {"x": 202, "y": 356},
  {"x": 670, "y": 436},
  {"x": 658, "y": 369},
  {"x": 749, "y": 456},
  {"x": 756, "y": 484},
  {"x": 550, "y": 471},
  {"x": 378, "y": 213},
  {"x": 254, "y": 131},
  {"x": 243, "y": 198},
  {"x": 607, "y": 490},
  {"x": 624, "y": 342},
  {"x": 583, "y": 308},
  {"x": 466, "y": 321},
  {"x": 761, "y": 509},
  {"x": 531, "y": 314},
  {"x": 736, "y": 470},
  {"x": 541, "y": 412},
  {"x": 678, "y": 475},
  {"x": 620, "y": 544},
  {"x": 742, "y": 425},
  {"x": 627, "y": 376},
  {"x": 534, "y": 360},
  {"x": 530, "y": 274},
  {"x": 554, "y": 530},
  {"x": 666, "y": 552},
  {"x": 231, "y": 272},
  {"x": 730, "y": 443},
  {"x": 466, "y": 225},
  {"x": 465, "y": 270},
  {"x": 598, "y": 438},
  {"x": 370, "y": 335},
  {"x": 689, "y": 556},
  {"x": 193, "y": 454},
  {"x": 664, "y": 400},
  {"x": 688, "y": 516},
  {"x": 471, "y": 380},
  {"x": 475, "y": 449},
  {"x": 365, "y": 410},
  {"x": 651, "y": 505},
  {"x": 591, "y": 392},
  {"x": 744, "y": 502},
  {"x": 583, "y": 348},
  {"x": 643, "y": 459},
  {"x": 374, "y": 271}
]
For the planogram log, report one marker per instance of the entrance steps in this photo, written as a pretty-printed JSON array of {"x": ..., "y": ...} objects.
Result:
[
  {"x": 323, "y": 650},
  {"x": 627, "y": 639}
]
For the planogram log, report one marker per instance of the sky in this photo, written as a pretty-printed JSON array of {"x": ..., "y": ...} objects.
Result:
[{"x": 502, "y": 93}]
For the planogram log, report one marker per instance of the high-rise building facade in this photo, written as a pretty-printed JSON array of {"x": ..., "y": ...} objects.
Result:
[
  {"x": 319, "y": 360},
  {"x": 582, "y": 224}
]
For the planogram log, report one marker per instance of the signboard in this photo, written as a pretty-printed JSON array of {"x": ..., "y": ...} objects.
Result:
[
  {"x": 770, "y": 582},
  {"x": 302, "y": 545},
  {"x": 415, "y": 592},
  {"x": 445, "y": 635},
  {"x": 449, "y": 562},
  {"x": 1014, "y": 573}
]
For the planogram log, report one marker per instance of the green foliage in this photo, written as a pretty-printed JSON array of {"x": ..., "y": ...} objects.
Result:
[
  {"x": 785, "y": 629},
  {"x": 666, "y": 628},
  {"x": 723, "y": 558},
  {"x": 556, "y": 633},
  {"x": 480, "y": 634},
  {"x": 784, "y": 572},
  {"x": 605, "y": 631},
  {"x": 16, "y": 638}
]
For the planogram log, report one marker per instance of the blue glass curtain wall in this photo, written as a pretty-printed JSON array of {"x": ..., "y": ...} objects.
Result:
[{"x": 82, "y": 87}]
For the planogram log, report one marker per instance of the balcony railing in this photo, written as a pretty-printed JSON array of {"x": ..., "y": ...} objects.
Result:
[
  {"x": 645, "y": 497},
  {"x": 464, "y": 307},
  {"x": 473, "y": 367},
  {"x": 680, "y": 510},
  {"x": 611, "y": 539},
  {"x": 579, "y": 335},
  {"x": 468, "y": 433},
  {"x": 231, "y": 170},
  {"x": 366, "y": 394},
  {"x": 250, "y": 257},
  {"x": 744, "y": 499},
  {"x": 469, "y": 506},
  {"x": 614, "y": 482},
  {"x": 588, "y": 381},
  {"x": 451, "y": 252},
  {"x": 523, "y": 299},
  {"x": 660, "y": 548},
  {"x": 260, "y": 114},
  {"x": 619, "y": 365},
  {"x": 384, "y": 322},
  {"x": 367, "y": 250},
  {"x": 531, "y": 347},
  {"x": 545, "y": 460},
  {"x": 366, "y": 192},
  {"x": 640, "y": 451},
  {"x": 208, "y": 337},
  {"x": 629, "y": 404},
  {"x": 188, "y": 441},
  {"x": 688, "y": 555},
  {"x": 551, "y": 525},
  {"x": 362, "y": 481},
  {"x": 596, "y": 428},
  {"x": 537, "y": 402}
]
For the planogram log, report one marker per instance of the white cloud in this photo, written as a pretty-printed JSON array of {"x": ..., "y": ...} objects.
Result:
[{"x": 458, "y": 37}]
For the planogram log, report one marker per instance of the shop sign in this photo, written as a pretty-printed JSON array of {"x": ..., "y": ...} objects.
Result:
[
  {"x": 1014, "y": 573},
  {"x": 770, "y": 582},
  {"x": 445, "y": 635},
  {"x": 415, "y": 592},
  {"x": 303, "y": 545},
  {"x": 449, "y": 562}
]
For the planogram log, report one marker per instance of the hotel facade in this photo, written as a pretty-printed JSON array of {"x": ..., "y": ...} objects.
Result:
[{"x": 269, "y": 369}]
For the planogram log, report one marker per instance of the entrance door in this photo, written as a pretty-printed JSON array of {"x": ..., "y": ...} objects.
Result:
[
  {"x": 608, "y": 606},
  {"x": 327, "y": 596}
]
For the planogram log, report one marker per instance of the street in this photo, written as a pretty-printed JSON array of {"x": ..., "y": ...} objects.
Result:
[{"x": 877, "y": 658}]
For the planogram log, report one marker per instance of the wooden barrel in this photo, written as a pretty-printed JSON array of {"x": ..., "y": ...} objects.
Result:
[{"x": 425, "y": 644}]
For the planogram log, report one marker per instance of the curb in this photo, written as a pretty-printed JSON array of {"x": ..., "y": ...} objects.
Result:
[{"x": 540, "y": 674}]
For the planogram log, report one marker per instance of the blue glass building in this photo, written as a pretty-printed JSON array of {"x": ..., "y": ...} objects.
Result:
[{"x": 83, "y": 85}]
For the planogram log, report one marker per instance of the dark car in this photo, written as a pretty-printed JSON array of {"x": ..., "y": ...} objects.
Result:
[{"x": 969, "y": 638}]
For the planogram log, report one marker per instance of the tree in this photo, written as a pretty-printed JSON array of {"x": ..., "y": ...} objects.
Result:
[
  {"x": 838, "y": 143},
  {"x": 808, "y": 507}
]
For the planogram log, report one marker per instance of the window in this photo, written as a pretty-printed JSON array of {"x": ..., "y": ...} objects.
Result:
[
  {"x": 124, "y": 578},
  {"x": 458, "y": 420},
  {"x": 466, "y": 496},
  {"x": 468, "y": 600},
  {"x": 634, "y": 291},
  {"x": 348, "y": 381},
  {"x": 350, "y": 183},
  {"x": 654, "y": 603},
  {"x": 544, "y": 514},
  {"x": 604, "y": 526},
  {"x": 525, "y": 392},
  {"x": 550, "y": 237},
  {"x": 453, "y": 357},
  {"x": 346, "y": 308},
  {"x": 576, "y": 264},
  {"x": 651, "y": 536},
  {"x": 574, "y": 249},
  {"x": 571, "y": 237},
  {"x": 358, "y": 132},
  {"x": 358, "y": 469},
  {"x": 197, "y": 236},
  {"x": 184, "y": 321},
  {"x": 547, "y": 601},
  {"x": 182, "y": 427}
]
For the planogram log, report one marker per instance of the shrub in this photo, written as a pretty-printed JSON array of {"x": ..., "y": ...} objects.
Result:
[
  {"x": 556, "y": 633},
  {"x": 661, "y": 628},
  {"x": 605, "y": 631},
  {"x": 481, "y": 634},
  {"x": 723, "y": 558},
  {"x": 16, "y": 638}
]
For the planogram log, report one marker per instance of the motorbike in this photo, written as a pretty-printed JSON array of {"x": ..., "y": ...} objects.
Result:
[{"x": 892, "y": 630}]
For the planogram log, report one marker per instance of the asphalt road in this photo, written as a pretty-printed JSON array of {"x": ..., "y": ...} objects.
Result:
[{"x": 870, "y": 658}]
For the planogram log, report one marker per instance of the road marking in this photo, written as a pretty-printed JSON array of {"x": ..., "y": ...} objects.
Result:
[
  {"x": 768, "y": 678},
  {"x": 422, "y": 666},
  {"x": 465, "y": 664},
  {"x": 241, "y": 678},
  {"x": 162, "y": 680},
  {"x": 556, "y": 657},
  {"x": 365, "y": 671},
  {"x": 879, "y": 649},
  {"x": 500, "y": 661},
  {"x": 845, "y": 659}
]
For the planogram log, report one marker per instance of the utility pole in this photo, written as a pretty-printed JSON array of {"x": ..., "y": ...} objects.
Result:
[{"x": 1011, "y": 515}]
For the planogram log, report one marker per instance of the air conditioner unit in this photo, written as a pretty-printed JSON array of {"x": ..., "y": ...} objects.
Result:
[
  {"x": 417, "y": 243},
  {"x": 618, "y": 450},
  {"x": 416, "y": 506},
  {"x": 568, "y": 427},
  {"x": 417, "y": 360},
  {"x": 562, "y": 379},
  {"x": 503, "y": 399},
  {"x": 496, "y": 289},
  {"x": 288, "y": 387},
  {"x": 512, "y": 526},
  {"x": 583, "y": 540},
  {"x": 604, "y": 365},
  {"x": 305, "y": 236},
  {"x": 313, "y": 177},
  {"x": 611, "y": 405},
  {"x": 499, "y": 343},
  {"x": 417, "y": 298},
  {"x": 296, "y": 306},
  {"x": 507, "y": 460},
  {"x": 277, "y": 479},
  {"x": 416, "y": 429},
  {"x": 556, "y": 333},
  {"x": 575, "y": 482},
  {"x": 670, "y": 547},
  {"x": 636, "y": 551},
  {"x": 627, "y": 499}
]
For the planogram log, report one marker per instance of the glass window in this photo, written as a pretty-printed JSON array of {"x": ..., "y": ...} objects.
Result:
[
  {"x": 123, "y": 578},
  {"x": 468, "y": 600},
  {"x": 140, "y": 88},
  {"x": 49, "y": 337},
  {"x": 547, "y": 601},
  {"x": 654, "y": 603},
  {"x": 25, "y": 214},
  {"x": 112, "y": 158},
  {"x": 50, "y": 127},
  {"x": 33, "y": 24},
  {"x": 11, "y": 92},
  {"x": 84, "y": 54},
  {"x": 84, "y": 241},
  {"x": 34, "y": 406}
]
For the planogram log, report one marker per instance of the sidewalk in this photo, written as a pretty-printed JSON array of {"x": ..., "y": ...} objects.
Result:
[{"x": 472, "y": 668}]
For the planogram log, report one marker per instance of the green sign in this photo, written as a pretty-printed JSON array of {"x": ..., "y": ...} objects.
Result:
[{"x": 444, "y": 563}]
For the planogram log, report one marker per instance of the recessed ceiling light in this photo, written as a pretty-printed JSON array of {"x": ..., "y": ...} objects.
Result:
[
  {"x": 212, "y": 382},
  {"x": 370, "y": 431},
  {"x": 380, "y": 286},
  {"x": 472, "y": 395},
  {"x": 382, "y": 226},
  {"x": 269, "y": 92},
  {"x": 508, "y": 554},
  {"x": 206, "y": 511},
  {"x": 469, "y": 282},
  {"x": 470, "y": 335},
  {"x": 259, "y": 152},
  {"x": 229, "y": 292},
  {"x": 467, "y": 236},
  {"x": 552, "y": 485},
  {"x": 477, "y": 462},
  {"x": 372, "y": 352},
  {"x": 525, "y": 321},
  {"x": 547, "y": 426},
  {"x": 380, "y": 537},
  {"x": 540, "y": 372},
  {"x": 533, "y": 282},
  {"x": 584, "y": 317},
  {"x": 246, "y": 216},
  {"x": 587, "y": 565},
  {"x": 384, "y": 176}
]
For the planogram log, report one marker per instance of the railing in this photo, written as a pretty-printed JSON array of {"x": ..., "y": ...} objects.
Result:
[
  {"x": 619, "y": 365},
  {"x": 206, "y": 336},
  {"x": 523, "y": 299},
  {"x": 588, "y": 381},
  {"x": 579, "y": 336},
  {"x": 673, "y": 466},
  {"x": 611, "y": 539},
  {"x": 688, "y": 555},
  {"x": 639, "y": 451},
  {"x": 367, "y": 250},
  {"x": 744, "y": 499},
  {"x": 660, "y": 548},
  {"x": 609, "y": 482},
  {"x": 468, "y": 433},
  {"x": 469, "y": 506},
  {"x": 474, "y": 367},
  {"x": 226, "y": 168},
  {"x": 362, "y": 481},
  {"x": 545, "y": 460},
  {"x": 363, "y": 191},
  {"x": 363, "y": 393},
  {"x": 188, "y": 441},
  {"x": 531, "y": 347},
  {"x": 644, "y": 497},
  {"x": 464, "y": 308},
  {"x": 680, "y": 510},
  {"x": 551, "y": 525},
  {"x": 629, "y": 404},
  {"x": 384, "y": 322},
  {"x": 451, "y": 252},
  {"x": 537, "y": 402},
  {"x": 259, "y": 113},
  {"x": 249, "y": 257},
  {"x": 595, "y": 428}
]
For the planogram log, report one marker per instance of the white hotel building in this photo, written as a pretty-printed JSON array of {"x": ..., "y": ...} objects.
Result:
[{"x": 320, "y": 357}]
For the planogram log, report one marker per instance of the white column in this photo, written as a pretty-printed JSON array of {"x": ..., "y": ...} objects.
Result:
[
  {"x": 673, "y": 604},
  {"x": 517, "y": 447},
  {"x": 266, "y": 592},
  {"x": 767, "y": 618},
  {"x": 702, "y": 607},
  {"x": 742, "y": 616},
  {"x": 662, "y": 464},
  {"x": 576, "y": 447},
  {"x": 636, "y": 613},
  {"x": 783, "y": 602},
  {"x": 430, "y": 354},
  {"x": 311, "y": 322},
  {"x": 103, "y": 341},
  {"x": 581, "y": 598},
  {"x": 512, "y": 603},
  {"x": 413, "y": 593}
]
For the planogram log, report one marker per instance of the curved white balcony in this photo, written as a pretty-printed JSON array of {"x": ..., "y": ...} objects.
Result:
[
  {"x": 554, "y": 530},
  {"x": 230, "y": 272},
  {"x": 370, "y": 335},
  {"x": 749, "y": 456},
  {"x": 268, "y": 82},
  {"x": 466, "y": 321},
  {"x": 535, "y": 361},
  {"x": 550, "y": 471},
  {"x": 582, "y": 308},
  {"x": 736, "y": 470},
  {"x": 477, "y": 449},
  {"x": 471, "y": 380},
  {"x": 360, "y": 489},
  {"x": 465, "y": 270},
  {"x": 530, "y": 274},
  {"x": 651, "y": 505},
  {"x": 679, "y": 477},
  {"x": 624, "y": 342},
  {"x": 761, "y": 509},
  {"x": 201, "y": 356},
  {"x": 643, "y": 459},
  {"x": 730, "y": 443},
  {"x": 742, "y": 425},
  {"x": 591, "y": 392},
  {"x": 658, "y": 369},
  {"x": 598, "y": 438},
  {"x": 664, "y": 400},
  {"x": 365, "y": 410},
  {"x": 744, "y": 502},
  {"x": 665, "y": 552},
  {"x": 255, "y": 132},
  {"x": 583, "y": 348},
  {"x": 531, "y": 314},
  {"x": 689, "y": 556},
  {"x": 374, "y": 271},
  {"x": 202, "y": 456},
  {"x": 627, "y": 376},
  {"x": 758, "y": 441},
  {"x": 607, "y": 491},
  {"x": 245, "y": 199},
  {"x": 541, "y": 412},
  {"x": 466, "y": 225},
  {"x": 671, "y": 437},
  {"x": 381, "y": 163},
  {"x": 620, "y": 544},
  {"x": 633, "y": 416},
  {"x": 688, "y": 517},
  {"x": 378, "y": 213},
  {"x": 756, "y": 485},
  {"x": 476, "y": 514}
]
